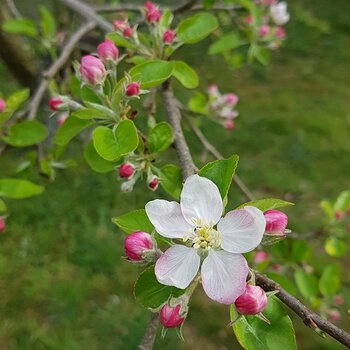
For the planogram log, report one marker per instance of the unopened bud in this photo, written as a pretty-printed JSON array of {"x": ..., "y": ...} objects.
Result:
[
  {"x": 54, "y": 103},
  {"x": 276, "y": 222},
  {"x": 168, "y": 36},
  {"x": 127, "y": 32},
  {"x": 170, "y": 316},
  {"x": 280, "y": 33},
  {"x": 61, "y": 119},
  {"x": 231, "y": 99},
  {"x": 260, "y": 256},
  {"x": 333, "y": 315},
  {"x": 126, "y": 170},
  {"x": 153, "y": 182},
  {"x": 107, "y": 51},
  {"x": 2, "y": 224},
  {"x": 136, "y": 244},
  {"x": 338, "y": 300},
  {"x": 263, "y": 30},
  {"x": 2, "y": 105},
  {"x": 92, "y": 70},
  {"x": 229, "y": 124},
  {"x": 132, "y": 89},
  {"x": 252, "y": 301},
  {"x": 338, "y": 215}
]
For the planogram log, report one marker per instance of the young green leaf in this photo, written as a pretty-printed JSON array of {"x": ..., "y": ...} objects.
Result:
[
  {"x": 329, "y": 282},
  {"x": 198, "y": 103},
  {"x": 160, "y": 138},
  {"x": 136, "y": 220},
  {"x": 225, "y": 43},
  {"x": 221, "y": 173},
  {"x": 3, "y": 207},
  {"x": 196, "y": 28},
  {"x": 96, "y": 162},
  {"x": 26, "y": 133},
  {"x": 343, "y": 201},
  {"x": 12, "y": 103},
  {"x": 19, "y": 189},
  {"x": 306, "y": 283},
  {"x": 171, "y": 180},
  {"x": 335, "y": 247},
  {"x": 113, "y": 144},
  {"x": 266, "y": 204},
  {"x": 185, "y": 74},
  {"x": 20, "y": 26},
  {"x": 47, "y": 23},
  {"x": 120, "y": 41}
]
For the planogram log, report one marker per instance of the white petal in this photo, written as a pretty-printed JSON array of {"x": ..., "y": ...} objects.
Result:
[
  {"x": 200, "y": 199},
  {"x": 167, "y": 218},
  {"x": 242, "y": 230},
  {"x": 177, "y": 266},
  {"x": 224, "y": 276}
]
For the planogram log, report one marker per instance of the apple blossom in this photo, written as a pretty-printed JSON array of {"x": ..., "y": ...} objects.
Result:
[
  {"x": 136, "y": 244},
  {"x": 224, "y": 269},
  {"x": 127, "y": 32},
  {"x": 260, "y": 256},
  {"x": 252, "y": 301},
  {"x": 231, "y": 99},
  {"x": 170, "y": 316},
  {"x": 152, "y": 13},
  {"x": 2, "y": 224},
  {"x": 92, "y": 70},
  {"x": 153, "y": 182},
  {"x": 54, "y": 103},
  {"x": 263, "y": 30},
  {"x": 279, "y": 13},
  {"x": 168, "y": 36},
  {"x": 132, "y": 89},
  {"x": 126, "y": 170},
  {"x": 276, "y": 222},
  {"x": 2, "y": 105},
  {"x": 229, "y": 124},
  {"x": 213, "y": 90},
  {"x": 107, "y": 51}
]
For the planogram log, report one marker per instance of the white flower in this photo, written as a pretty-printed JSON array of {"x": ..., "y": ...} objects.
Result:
[
  {"x": 224, "y": 270},
  {"x": 279, "y": 13}
]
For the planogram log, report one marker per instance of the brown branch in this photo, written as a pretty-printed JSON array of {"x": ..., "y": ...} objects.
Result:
[
  {"x": 309, "y": 317},
  {"x": 184, "y": 7},
  {"x": 56, "y": 66},
  {"x": 150, "y": 333}
]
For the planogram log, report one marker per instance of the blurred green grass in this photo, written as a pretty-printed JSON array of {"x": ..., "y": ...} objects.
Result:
[{"x": 63, "y": 282}]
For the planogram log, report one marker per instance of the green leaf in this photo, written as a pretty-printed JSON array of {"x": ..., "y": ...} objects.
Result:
[
  {"x": 27, "y": 133},
  {"x": 171, "y": 180},
  {"x": 198, "y": 103},
  {"x": 160, "y": 138},
  {"x": 96, "y": 162},
  {"x": 150, "y": 293},
  {"x": 196, "y": 28},
  {"x": 185, "y": 74},
  {"x": 266, "y": 204},
  {"x": 151, "y": 73},
  {"x": 19, "y": 189},
  {"x": 3, "y": 207},
  {"x": 225, "y": 43},
  {"x": 111, "y": 145},
  {"x": 69, "y": 129},
  {"x": 335, "y": 247},
  {"x": 327, "y": 208},
  {"x": 254, "y": 334},
  {"x": 300, "y": 251},
  {"x": 20, "y": 26},
  {"x": 221, "y": 173},
  {"x": 306, "y": 283},
  {"x": 343, "y": 201},
  {"x": 329, "y": 282},
  {"x": 283, "y": 281},
  {"x": 136, "y": 220},
  {"x": 12, "y": 103},
  {"x": 47, "y": 23},
  {"x": 120, "y": 41}
]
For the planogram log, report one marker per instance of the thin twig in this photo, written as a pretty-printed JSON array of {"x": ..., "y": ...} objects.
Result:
[
  {"x": 13, "y": 9},
  {"x": 150, "y": 333},
  {"x": 56, "y": 66},
  {"x": 184, "y": 7},
  {"x": 310, "y": 318}
]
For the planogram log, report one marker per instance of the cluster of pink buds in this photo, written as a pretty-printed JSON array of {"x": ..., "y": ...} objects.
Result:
[
  {"x": 2, "y": 105},
  {"x": 223, "y": 106},
  {"x": 269, "y": 27},
  {"x": 152, "y": 13},
  {"x": 122, "y": 27},
  {"x": 2, "y": 224}
]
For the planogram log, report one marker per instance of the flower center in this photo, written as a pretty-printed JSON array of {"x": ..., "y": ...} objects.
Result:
[{"x": 204, "y": 236}]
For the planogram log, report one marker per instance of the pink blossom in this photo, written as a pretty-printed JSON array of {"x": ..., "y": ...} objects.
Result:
[
  {"x": 107, "y": 51},
  {"x": 170, "y": 316},
  {"x": 127, "y": 32},
  {"x": 92, "y": 70},
  {"x": 54, "y": 102},
  {"x": 2, "y": 224},
  {"x": 132, "y": 89},
  {"x": 2, "y": 105},
  {"x": 263, "y": 30},
  {"x": 280, "y": 33},
  {"x": 252, "y": 301},
  {"x": 135, "y": 244},
  {"x": 153, "y": 183},
  {"x": 168, "y": 36},
  {"x": 229, "y": 124},
  {"x": 231, "y": 99},
  {"x": 279, "y": 13},
  {"x": 126, "y": 170},
  {"x": 276, "y": 222},
  {"x": 260, "y": 256},
  {"x": 152, "y": 15}
]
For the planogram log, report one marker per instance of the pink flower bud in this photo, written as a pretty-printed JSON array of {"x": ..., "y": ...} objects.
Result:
[
  {"x": 231, "y": 99},
  {"x": 92, "y": 70},
  {"x": 280, "y": 33},
  {"x": 348, "y": 211},
  {"x": 136, "y": 244},
  {"x": 338, "y": 215},
  {"x": 260, "y": 256},
  {"x": 126, "y": 170},
  {"x": 2, "y": 105},
  {"x": 263, "y": 30},
  {"x": 132, "y": 89},
  {"x": 127, "y": 32},
  {"x": 2, "y": 224},
  {"x": 61, "y": 119},
  {"x": 276, "y": 222},
  {"x": 168, "y": 36},
  {"x": 120, "y": 24},
  {"x": 148, "y": 5},
  {"x": 213, "y": 90},
  {"x": 333, "y": 315},
  {"x": 229, "y": 125},
  {"x": 277, "y": 268},
  {"x": 107, "y": 51},
  {"x": 338, "y": 300},
  {"x": 252, "y": 301},
  {"x": 170, "y": 316},
  {"x": 152, "y": 15},
  {"x": 153, "y": 183},
  {"x": 248, "y": 20},
  {"x": 54, "y": 103}
]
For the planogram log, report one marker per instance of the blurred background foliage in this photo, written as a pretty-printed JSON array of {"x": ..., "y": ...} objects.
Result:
[{"x": 64, "y": 284}]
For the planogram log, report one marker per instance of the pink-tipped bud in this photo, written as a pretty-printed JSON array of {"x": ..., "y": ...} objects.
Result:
[
  {"x": 61, "y": 119},
  {"x": 170, "y": 317},
  {"x": 107, "y": 51},
  {"x": 132, "y": 89},
  {"x": 280, "y": 33},
  {"x": 213, "y": 90},
  {"x": 276, "y": 222},
  {"x": 348, "y": 211},
  {"x": 168, "y": 36},
  {"x": 260, "y": 256},
  {"x": 126, "y": 170},
  {"x": 2, "y": 105},
  {"x": 127, "y": 32},
  {"x": 153, "y": 183},
  {"x": 252, "y": 301},
  {"x": 148, "y": 5},
  {"x": 54, "y": 103},
  {"x": 2, "y": 224},
  {"x": 338, "y": 215},
  {"x": 231, "y": 99},
  {"x": 333, "y": 315},
  {"x": 136, "y": 244},
  {"x": 229, "y": 125},
  {"x": 263, "y": 30},
  {"x": 120, "y": 24},
  {"x": 153, "y": 15},
  {"x": 92, "y": 70},
  {"x": 338, "y": 300},
  {"x": 248, "y": 20}
]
